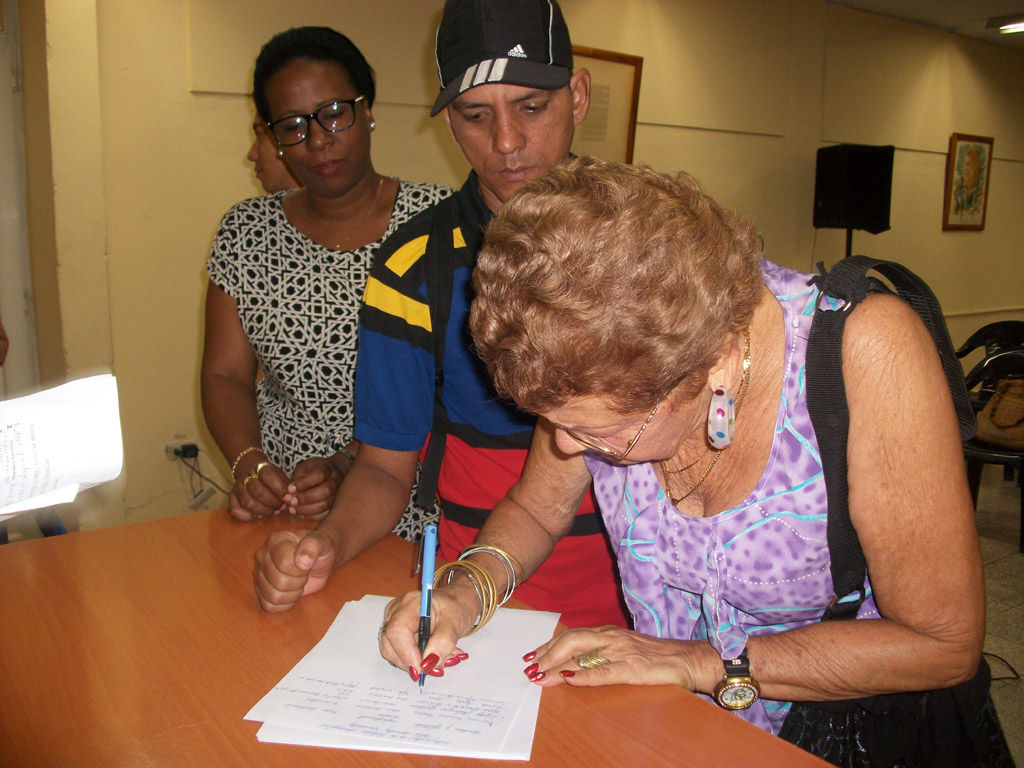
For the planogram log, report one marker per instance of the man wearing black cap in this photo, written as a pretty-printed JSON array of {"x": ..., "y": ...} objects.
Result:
[
  {"x": 511, "y": 96},
  {"x": 512, "y": 102}
]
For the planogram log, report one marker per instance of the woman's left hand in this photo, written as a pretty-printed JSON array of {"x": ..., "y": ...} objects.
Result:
[
  {"x": 619, "y": 656},
  {"x": 312, "y": 488}
]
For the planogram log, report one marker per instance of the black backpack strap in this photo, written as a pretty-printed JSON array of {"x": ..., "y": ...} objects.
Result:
[
  {"x": 826, "y": 404},
  {"x": 830, "y": 416},
  {"x": 439, "y": 259}
]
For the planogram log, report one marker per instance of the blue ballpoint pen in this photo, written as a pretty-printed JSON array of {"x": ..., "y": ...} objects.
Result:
[{"x": 427, "y": 587}]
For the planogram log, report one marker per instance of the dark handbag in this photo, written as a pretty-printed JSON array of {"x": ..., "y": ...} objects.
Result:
[{"x": 947, "y": 728}]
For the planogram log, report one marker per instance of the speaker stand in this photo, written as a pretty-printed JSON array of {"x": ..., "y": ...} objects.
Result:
[{"x": 849, "y": 242}]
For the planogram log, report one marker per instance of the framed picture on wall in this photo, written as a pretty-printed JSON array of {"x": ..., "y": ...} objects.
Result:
[
  {"x": 968, "y": 166},
  {"x": 610, "y": 127}
]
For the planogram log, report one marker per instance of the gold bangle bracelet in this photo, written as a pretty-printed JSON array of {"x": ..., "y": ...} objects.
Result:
[
  {"x": 508, "y": 562},
  {"x": 243, "y": 454},
  {"x": 448, "y": 570},
  {"x": 477, "y": 571},
  {"x": 482, "y": 582}
]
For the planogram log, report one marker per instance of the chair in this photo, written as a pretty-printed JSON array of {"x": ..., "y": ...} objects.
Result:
[
  {"x": 994, "y": 336},
  {"x": 1004, "y": 334},
  {"x": 1005, "y": 362}
]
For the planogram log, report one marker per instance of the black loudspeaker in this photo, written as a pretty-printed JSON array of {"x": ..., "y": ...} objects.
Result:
[{"x": 853, "y": 187}]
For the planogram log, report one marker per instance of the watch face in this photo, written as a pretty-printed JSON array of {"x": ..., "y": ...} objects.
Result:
[{"x": 738, "y": 696}]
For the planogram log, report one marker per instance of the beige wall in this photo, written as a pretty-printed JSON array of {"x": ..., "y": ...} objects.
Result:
[
  {"x": 32, "y": 25},
  {"x": 126, "y": 197}
]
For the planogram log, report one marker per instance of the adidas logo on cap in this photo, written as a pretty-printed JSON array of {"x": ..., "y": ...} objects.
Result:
[{"x": 517, "y": 51}]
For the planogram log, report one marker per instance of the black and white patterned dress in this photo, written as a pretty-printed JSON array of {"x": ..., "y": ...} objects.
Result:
[{"x": 299, "y": 307}]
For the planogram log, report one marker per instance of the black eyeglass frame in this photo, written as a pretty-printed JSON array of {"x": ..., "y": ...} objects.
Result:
[{"x": 316, "y": 116}]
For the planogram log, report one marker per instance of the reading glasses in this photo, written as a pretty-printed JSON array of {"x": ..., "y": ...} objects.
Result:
[
  {"x": 590, "y": 442},
  {"x": 335, "y": 117}
]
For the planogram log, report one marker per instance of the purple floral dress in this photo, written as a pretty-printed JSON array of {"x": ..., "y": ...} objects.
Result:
[{"x": 758, "y": 568}]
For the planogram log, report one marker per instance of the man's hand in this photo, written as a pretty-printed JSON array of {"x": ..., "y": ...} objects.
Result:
[{"x": 289, "y": 565}]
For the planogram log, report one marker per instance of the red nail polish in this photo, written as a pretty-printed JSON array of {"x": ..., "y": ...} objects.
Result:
[
  {"x": 414, "y": 674},
  {"x": 530, "y": 656},
  {"x": 531, "y": 670},
  {"x": 435, "y": 672},
  {"x": 538, "y": 677},
  {"x": 429, "y": 662},
  {"x": 451, "y": 662},
  {"x": 567, "y": 673},
  {"x": 463, "y": 656}
]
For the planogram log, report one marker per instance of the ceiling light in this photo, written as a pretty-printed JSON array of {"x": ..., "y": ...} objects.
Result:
[{"x": 1007, "y": 25}]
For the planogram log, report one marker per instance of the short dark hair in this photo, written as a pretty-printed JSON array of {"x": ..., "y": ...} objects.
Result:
[{"x": 314, "y": 44}]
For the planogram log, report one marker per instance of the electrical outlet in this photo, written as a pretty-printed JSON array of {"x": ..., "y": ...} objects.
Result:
[{"x": 187, "y": 450}]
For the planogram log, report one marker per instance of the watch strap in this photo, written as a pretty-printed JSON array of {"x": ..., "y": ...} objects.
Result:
[{"x": 738, "y": 667}]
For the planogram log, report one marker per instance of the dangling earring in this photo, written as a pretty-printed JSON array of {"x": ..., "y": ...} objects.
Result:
[
  {"x": 722, "y": 411},
  {"x": 280, "y": 153},
  {"x": 721, "y": 418}
]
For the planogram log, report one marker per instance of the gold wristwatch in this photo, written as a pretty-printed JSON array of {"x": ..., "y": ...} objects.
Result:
[{"x": 737, "y": 690}]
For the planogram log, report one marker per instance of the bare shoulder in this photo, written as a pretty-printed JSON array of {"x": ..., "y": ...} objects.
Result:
[
  {"x": 884, "y": 333},
  {"x": 895, "y": 382}
]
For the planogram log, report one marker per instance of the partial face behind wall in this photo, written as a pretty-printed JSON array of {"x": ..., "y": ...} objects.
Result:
[{"x": 271, "y": 170}]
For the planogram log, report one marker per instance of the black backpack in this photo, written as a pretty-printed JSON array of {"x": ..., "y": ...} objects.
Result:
[{"x": 848, "y": 281}]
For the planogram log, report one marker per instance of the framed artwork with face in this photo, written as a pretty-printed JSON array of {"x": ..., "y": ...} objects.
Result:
[
  {"x": 609, "y": 129},
  {"x": 968, "y": 166}
]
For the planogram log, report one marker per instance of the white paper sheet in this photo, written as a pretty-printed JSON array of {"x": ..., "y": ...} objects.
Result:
[
  {"x": 56, "y": 442},
  {"x": 517, "y": 743},
  {"x": 343, "y": 694}
]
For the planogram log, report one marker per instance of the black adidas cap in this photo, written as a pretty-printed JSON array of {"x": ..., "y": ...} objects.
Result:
[{"x": 520, "y": 42}]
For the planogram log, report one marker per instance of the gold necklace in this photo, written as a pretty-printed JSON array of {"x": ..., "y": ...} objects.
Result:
[
  {"x": 714, "y": 459},
  {"x": 373, "y": 205}
]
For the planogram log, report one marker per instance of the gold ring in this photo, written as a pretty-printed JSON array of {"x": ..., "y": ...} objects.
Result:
[
  {"x": 591, "y": 659},
  {"x": 261, "y": 465},
  {"x": 245, "y": 480}
]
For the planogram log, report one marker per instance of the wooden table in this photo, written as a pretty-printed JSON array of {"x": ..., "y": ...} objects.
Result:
[{"x": 143, "y": 645}]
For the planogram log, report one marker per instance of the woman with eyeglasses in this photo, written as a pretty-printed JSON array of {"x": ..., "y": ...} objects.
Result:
[
  {"x": 665, "y": 358},
  {"x": 287, "y": 272}
]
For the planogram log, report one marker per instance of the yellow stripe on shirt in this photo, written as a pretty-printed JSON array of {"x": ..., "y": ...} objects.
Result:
[
  {"x": 391, "y": 302},
  {"x": 400, "y": 261},
  {"x": 388, "y": 300}
]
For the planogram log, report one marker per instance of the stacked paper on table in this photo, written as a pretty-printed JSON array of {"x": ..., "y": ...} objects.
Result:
[
  {"x": 58, "y": 441},
  {"x": 343, "y": 694}
]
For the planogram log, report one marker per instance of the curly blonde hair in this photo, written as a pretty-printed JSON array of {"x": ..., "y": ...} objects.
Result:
[{"x": 610, "y": 280}]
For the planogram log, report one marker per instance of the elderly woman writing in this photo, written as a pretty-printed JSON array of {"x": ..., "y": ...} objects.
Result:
[{"x": 665, "y": 357}]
